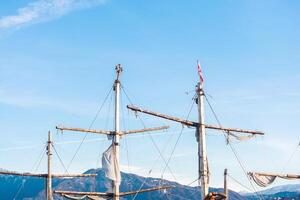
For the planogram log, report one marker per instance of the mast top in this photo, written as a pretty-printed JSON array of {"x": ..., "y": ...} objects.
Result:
[
  {"x": 119, "y": 70},
  {"x": 49, "y": 136},
  {"x": 199, "y": 88}
]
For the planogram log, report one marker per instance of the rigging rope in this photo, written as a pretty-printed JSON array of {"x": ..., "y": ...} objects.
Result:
[
  {"x": 290, "y": 158},
  {"x": 239, "y": 183},
  {"x": 125, "y": 138},
  {"x": 60, "y": 160},
  {"x": 105, "y": 126},
  {"x": 160, "y": 153},
  {"x": 151, "y": 138},
  {"x": 35, "y": 167},
  {"x": 92, "y": 123},
  {"x": 231, "y": 147},
  {"x": 177, "y": 141}
]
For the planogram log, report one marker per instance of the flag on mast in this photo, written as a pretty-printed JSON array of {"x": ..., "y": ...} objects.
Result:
[{"x": 200, "y": 73}]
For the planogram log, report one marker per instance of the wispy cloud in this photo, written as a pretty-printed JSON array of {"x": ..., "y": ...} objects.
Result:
[
  {"x": 32, "y": 100},
  {"x": 43, "y": 10}
]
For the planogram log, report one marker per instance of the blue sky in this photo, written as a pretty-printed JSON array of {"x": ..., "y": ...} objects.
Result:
[{"x": 57, "y": 63}]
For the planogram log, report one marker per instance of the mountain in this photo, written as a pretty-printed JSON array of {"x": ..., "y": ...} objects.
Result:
[
  {"x": 289, "y": 191},
  {"x": 33, "y": 188}
]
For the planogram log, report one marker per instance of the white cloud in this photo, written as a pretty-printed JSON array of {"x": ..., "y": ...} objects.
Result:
[
  {"x": 44, "y": 10},
  {"x": 32, "y": 100}
]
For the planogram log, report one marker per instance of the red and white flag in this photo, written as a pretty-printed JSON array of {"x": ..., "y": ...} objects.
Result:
[{"x": 200, "y": 73}]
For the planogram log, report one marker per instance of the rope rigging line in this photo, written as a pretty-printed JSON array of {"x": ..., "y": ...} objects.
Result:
[
  {"x": 19, "y": 190},
  {"x": 150, "y": 171},
  {"x": 239, "y": 183},
  {"x": 151, "y": 138},
  {"x": 157, "y": 159},
  {"x": 178, "y": 139},
  {"x": 60, "y": 160},
  {"x": 105, "y": 126},
  {"x": 90, "y": 126},
  {"x": 35, "y": 167},
  {"x": 290, "y": 158},
  {"x": 125, "y": 138},
  {"x": 232, "y": 148}
]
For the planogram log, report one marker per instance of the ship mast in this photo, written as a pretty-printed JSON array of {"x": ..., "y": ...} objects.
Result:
[
  {"x": 201, "y": 139},
  {"x": 115, "y": 135},
  {"x": 49, "y": 176},
  {"x": 200, "y": 126},
  {"x": 116, "y": 138}
]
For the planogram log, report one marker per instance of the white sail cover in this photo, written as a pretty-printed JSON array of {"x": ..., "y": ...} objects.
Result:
[
  {"x": 110, "y": 165},
  {"x": 83, "y": 197},
  {"x": 262, "y": 180},
  {"x": 265, "y": 180}
]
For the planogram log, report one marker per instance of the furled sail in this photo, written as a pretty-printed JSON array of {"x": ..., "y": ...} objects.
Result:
[
  {"x": 262, "y": 180},
  {"x": 83, "y": 197},
  {"x": 265, "y": 179},
  {"x": 110, "y": 166},
  {"x": 240, "y": 138}
]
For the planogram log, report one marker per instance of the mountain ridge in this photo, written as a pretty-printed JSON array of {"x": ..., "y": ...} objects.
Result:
[{"x": 32, "y": 188}]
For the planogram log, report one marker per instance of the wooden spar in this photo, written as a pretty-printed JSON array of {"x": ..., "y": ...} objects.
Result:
[
  {"x": 61, "y": 128},
  {"x": 191, "y": 123},
  {"x": 145, "y": 130},
  {"x": 23, "y": 174},
  {"x": 184, "y": 122},
  {"x": 111, "y": 132},
  {"x": 61, "y": 192},
  {"x": 111, "y": 194},
  {"x": 72, "y": 175},
  {"x": 287, "y": 176},
  {"x": 45, "y": 175},
  {"x": 234, "y": 130},
  {"x": 146, "y": 190}
]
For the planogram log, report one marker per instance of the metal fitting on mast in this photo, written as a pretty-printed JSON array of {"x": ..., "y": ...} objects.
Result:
[{"x": 119, "y": 70}]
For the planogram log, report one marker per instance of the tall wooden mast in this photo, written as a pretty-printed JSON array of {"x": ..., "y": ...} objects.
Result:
[
  {"x": 201, "y": 139},
  {"x": 115, "y": 135},
  {"x": 116, "y": 138},
  {"x": 49, "y": 175}
]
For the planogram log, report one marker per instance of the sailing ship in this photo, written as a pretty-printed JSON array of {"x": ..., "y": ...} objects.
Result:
[{"x": 111, "y": 157}]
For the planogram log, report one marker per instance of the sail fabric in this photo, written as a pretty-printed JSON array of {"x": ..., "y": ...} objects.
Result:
[
  {"x": 110, "y": 165},
  {"x": 265, "y": 180},
  {"x": 240, "y": 138},
  {"x": 83, "y": 197},
  {"x": 262, "y": 180}
]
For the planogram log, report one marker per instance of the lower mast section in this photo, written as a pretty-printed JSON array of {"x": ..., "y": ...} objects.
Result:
[{"x": 201, "y": 135}]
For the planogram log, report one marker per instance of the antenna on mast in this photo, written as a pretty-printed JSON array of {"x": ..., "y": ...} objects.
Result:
[{"x": 119, "y": 70}]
